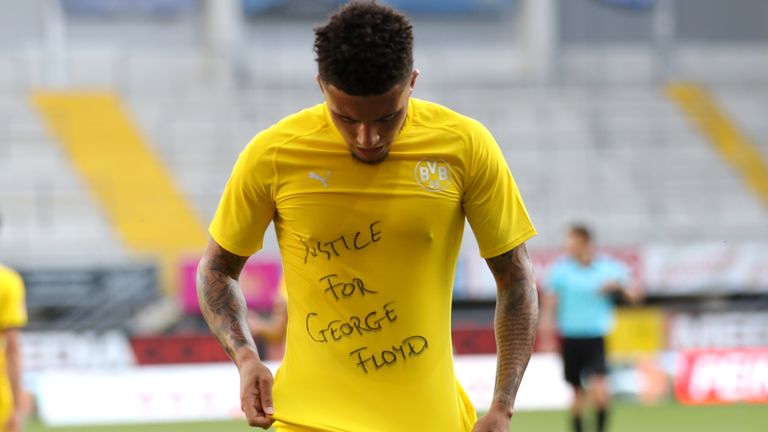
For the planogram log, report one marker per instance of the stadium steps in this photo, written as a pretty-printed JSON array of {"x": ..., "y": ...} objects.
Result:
[
  {"x": 651, "y": 176},
  {"x": 146, "y": 208},
  {"x": 622, "y": 158},
  {"x": 734, "y": 146},
  {"x": 44, "y": 207},
  {"x": 747, "y": 106}
]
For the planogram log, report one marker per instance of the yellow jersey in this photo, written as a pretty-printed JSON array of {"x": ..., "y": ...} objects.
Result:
[
  {"x": 369, "y": 254},
  {"x": 13, "y": 314}
]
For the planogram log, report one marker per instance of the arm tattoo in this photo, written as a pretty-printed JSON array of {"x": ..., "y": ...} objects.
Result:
[
  {"x": 221, "y": 300},
  {"x": 517, "y": 310}
]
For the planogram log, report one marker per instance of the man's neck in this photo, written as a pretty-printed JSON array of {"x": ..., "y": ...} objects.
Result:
[{"x": 585, "y": 259}]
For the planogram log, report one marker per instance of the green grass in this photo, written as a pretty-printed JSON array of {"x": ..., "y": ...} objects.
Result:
[
  {"x": 662, "y": 418},
  {"x": 625, "y": 418}
]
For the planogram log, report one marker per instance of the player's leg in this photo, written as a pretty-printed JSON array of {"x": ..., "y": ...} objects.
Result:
[
  {"x": 601, "y": 396},
  {"x": 573, "y": 365},
  {"x": 577, "y": 407},
  {"x": 598, "y": 382}
]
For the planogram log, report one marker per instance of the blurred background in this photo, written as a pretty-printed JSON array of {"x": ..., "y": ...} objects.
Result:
[{"x": 120, "y": 121}]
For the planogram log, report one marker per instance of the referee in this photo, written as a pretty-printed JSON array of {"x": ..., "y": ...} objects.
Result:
[{"x": 582, "y": 289}]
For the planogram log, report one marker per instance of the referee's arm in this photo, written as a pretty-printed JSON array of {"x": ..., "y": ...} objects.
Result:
[
  {"x": 517, "y": 312},
  {"x": 629, "y": 292}
]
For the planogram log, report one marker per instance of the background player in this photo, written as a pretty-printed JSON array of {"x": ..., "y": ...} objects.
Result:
[
  {"x": 13, "y": 315},
  {"x": 369, "y": 193},
  {"x": 582, "y": 289},
  {"x": 273, "y": 327}
]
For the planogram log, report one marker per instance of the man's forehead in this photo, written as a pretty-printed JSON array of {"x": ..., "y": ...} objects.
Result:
[{"x": 364, "y": 107}]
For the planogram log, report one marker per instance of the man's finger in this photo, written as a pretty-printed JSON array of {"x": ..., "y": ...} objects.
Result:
[
  {"x": 265, "y": 395},
  {"x": 249, "y": 406},
  {"x": 262, "y": 422},
  {"x": 261, "y": 419}
]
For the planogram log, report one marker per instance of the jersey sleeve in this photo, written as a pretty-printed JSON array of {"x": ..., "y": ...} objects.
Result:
[
  {"x": 247, "y": 205},
  {"x": 492, "y": 202},
  {"x": 13, "y": 310}
]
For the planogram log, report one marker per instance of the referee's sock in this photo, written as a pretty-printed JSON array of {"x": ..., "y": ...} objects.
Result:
[
  {"x": 602, "y": 415},
  {"x": 576, "y": 419}
]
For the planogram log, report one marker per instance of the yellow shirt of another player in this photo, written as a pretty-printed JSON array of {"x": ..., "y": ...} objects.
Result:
[
  {"x": 369, "y": 254},
  {"x": 13, "y": 314}
]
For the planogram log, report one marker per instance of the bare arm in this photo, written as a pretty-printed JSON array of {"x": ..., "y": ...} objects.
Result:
[
  {"x": 548, "y": 322},
  {"x": 224, "y": 309},
  {"x": 221, "y": 300},
  {"x": 273, "y": 328},
  {"x": 13, "y": 367},
  {"x": 517, "y": 310}
]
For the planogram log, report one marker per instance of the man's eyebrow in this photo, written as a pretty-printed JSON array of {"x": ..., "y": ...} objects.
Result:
[
  {"x": 391, "y": 114},
  {"x": 379, "y": 119},
  {"x": 342, "y": 115}
]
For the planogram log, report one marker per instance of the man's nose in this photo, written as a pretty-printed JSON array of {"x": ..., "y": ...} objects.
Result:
[{"x": 367, "y": 136}]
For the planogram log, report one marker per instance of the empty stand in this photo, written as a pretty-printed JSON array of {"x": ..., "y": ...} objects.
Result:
[{"x": 619, "y": 154}]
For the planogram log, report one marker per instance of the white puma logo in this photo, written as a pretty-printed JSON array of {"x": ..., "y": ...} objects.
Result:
[{"x": 324, "y": 180}]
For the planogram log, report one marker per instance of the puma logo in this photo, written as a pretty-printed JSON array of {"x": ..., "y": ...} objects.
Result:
[{"x": 324, "y": 180}]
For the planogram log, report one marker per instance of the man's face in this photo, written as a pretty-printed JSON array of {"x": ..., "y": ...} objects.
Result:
[
  {"x": 369, "y": 124},
  {"x": 576, "y": 245}
]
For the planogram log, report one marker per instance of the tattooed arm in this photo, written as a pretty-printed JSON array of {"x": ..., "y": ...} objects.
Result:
[
  {"x": 221, "y": 300},
  {"x": 517, "y": 310},
  {"x": 224, "y": 309}
]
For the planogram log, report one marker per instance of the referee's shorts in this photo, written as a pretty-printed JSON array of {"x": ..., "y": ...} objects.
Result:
[{"x": 582, "y": 358}]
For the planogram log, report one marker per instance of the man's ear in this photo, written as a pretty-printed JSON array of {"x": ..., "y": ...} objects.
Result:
[
  {"x": 320, "y": 83},
  {"x": 414, "y": 77}
]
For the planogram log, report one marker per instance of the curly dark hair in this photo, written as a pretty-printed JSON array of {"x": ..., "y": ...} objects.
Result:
[{"x": 365, "y": 48}]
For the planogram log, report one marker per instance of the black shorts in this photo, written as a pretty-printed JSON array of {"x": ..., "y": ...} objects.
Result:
[{"x": 583, "y": 357}]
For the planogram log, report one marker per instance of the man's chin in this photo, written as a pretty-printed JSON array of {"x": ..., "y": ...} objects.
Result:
[{"x": 370, "y": 160}]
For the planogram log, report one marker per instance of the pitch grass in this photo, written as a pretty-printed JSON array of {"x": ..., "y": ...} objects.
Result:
[{"x": 625, "y": 418}]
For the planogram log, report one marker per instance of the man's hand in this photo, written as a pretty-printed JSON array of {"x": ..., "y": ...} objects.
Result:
[
  {"x": 495, "y": 420},
  {"x": 256, "y": 392},
  {"x": 16, "y": 422},
  {"x": 632, "y": 294},
  {"x": 612, "y": 287},
  {"x": 635, "y": 294}
]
